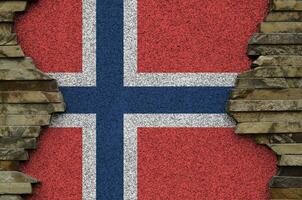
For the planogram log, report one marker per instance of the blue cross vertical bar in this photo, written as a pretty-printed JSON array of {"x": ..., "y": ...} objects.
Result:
[{"x": 110, "y": 99}]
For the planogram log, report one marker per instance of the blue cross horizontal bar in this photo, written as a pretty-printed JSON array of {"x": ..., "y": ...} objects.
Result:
[{"x": 146, "y": 100}]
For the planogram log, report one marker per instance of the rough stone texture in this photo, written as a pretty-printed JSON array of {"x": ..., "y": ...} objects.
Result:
[
  {"x": 283, "y": 61},
  {"x": 20, "y": 131},
  {"x": 290, "y": 160},
  {"x": 267, "y": 94},
  {"x": 28, "y": 98},
  {"x": 284, "y": 17},
  {"x": 286, "y": 182},
  {"x": 11, "y": 51},
  {"x": 267, "y": 139},
  {"x": 269, "y": 127},
  {"x": 13, "y": 154},
  {"x": 289, "y": 38},
  {"x": 10, "y": 197},
  {"x": 265, "y": 105},
  {"x": 287, "y": 5},
  {"x": 281, "y": 27},
  {"x": 257, "y": 50},
  {"x": 15, "y": 188},
  {"x": 8, "y": 39},
  {"x": 266, "y": 102},
  {"x": 286, "y": 193},
  {"x": 273, "y": 83},
  {"x": 282, "y": 149},
  {"x": 267, "y": 116},
  {"x": 9, "y": 166}
]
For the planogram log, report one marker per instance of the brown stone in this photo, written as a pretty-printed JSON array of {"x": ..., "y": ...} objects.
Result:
[
  {"x": 7, "y": 16},
  {"x": 290, "y": 160},
  {"x": 49, "y": 86},
  {"x": 269, "y": 127},
  {"x": 264, "y": 105},
  {"x": 267, "y": 116},
  {"x": 286, "y": 5},
  {"x": 286, "y": 182},
  {"x": 19, "y": 131},
  {"x": 13, "y": 154},
  {"x": 272, "y": 83},
  {"x": 281, "y": 27},
  {"x": 257, "y": 50},
  {"x": 8, "y": 39},
  {"x": 267, "y": 139},
  {"x": 23, "y": 74},
  {"x": 10, "y": 197},
  {"x": 292, "y": 149},
  {"x": 15, "y": 188},
  {"x": 267, "y": 94},
  {"x": 276, "y": 38},
  {"x": 286, "y": 193},
  {"x": 11, "y": 51},
  {"x": 16, "y": 177},
  {"x": 290, "y": 171},
  {"x": 31, "y": 109},
  {"x": 12, "y": 6},
  {"x": 273, "y": 72},
  {"x": 9, "y": 166},
  {"x": 8, "y": 63},
  {"x": 24, "y": 120},
  {"x": 24, "y": 143},
  {"x": 284, "y": 17},
  {"x": 30, "y": 97},
  {"x": 280, "y": 61}
]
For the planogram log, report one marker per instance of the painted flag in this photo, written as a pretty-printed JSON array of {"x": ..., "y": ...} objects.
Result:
[{"x": 145, "y": 82}]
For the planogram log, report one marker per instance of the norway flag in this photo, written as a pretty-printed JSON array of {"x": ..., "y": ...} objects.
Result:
[{"x": 145, "y": 82}]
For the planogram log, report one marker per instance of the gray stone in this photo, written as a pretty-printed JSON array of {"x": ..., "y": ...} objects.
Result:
[
  {"x": 31, "y": 109},
  {"x": 286, "y": 182},
  {"x": 15, "y": 143},
  {"x": 30, "y": 97},
  {"x": 276, "y": 39},
  {"x": 8, "y": 39},
  {"x": 20, "y": 131},
  {"x": 13, "y": 154},
  {"x": 267, "y": 116},
  {"x": 268, "y": 127},
  {"x": 281, "y": 149},
  {"x": 10, "y": 51},
  {"x": 266, "y": 83},
  {"x": 15, "y": 188},
  {"x": 290, "y": 160},
  {"x": 284, "y": 17},
  {"x": 286, "y": 5},
  {"x": 282, "y": 61},
  {"x": 258, "y": 50},
  {"x": 286, "y": 193},
  {"x": 12, "y": 6},
  {"x": 264, "y": 105},
  {"x": 267, "y": 94},
  {"x": 10, "y": 197},
  {"x": 281, "y": 27}
]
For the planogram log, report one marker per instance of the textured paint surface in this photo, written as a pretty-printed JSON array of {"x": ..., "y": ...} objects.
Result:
[
  {"x": 51, "y": 33},
  {"x": 129, "y": 100},
  {"x": 58, "y": 164},
  {"x": 196, "y": 36},
  {"x": 201, "y": 163}
]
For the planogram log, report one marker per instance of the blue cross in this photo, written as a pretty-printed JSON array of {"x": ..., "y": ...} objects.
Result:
[{"x": 110, "y": 99}]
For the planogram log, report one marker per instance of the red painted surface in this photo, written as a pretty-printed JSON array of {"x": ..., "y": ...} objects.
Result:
[
  {"x": 203, "y": 164},
  {"x": 196, "y": 36},
  {"x": 58, "y": 164},
  {"x": 51, "y": 33}
]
